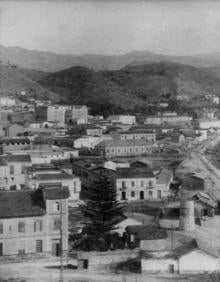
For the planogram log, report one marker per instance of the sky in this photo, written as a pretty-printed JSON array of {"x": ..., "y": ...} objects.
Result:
[{"x": 181, "y": 27}]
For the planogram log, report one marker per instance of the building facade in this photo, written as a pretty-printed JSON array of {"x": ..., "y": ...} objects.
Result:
[{"x": 32, "y": 221}]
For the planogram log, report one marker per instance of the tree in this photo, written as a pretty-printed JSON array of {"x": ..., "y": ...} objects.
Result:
[{"x": 101, "y": 208}]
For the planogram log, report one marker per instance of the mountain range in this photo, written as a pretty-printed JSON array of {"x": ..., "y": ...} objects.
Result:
[
  {"x": 52, "y": 62},
  {"x": 132, "y": 86},
  {"x": 124, "y": 82}
]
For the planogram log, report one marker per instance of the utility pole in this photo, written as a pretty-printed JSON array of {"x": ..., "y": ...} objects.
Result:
[{"x": 61, "y": 238}]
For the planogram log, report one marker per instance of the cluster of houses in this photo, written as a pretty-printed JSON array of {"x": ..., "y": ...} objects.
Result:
[{"x": 51, "y": 154}]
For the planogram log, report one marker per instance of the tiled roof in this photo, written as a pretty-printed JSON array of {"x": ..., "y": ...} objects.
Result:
[
  {"x": 53, "y": 176},
  {"x": 22, "y": 203},
  {"x": 17, "y": 158},
  {"x": 55, "y": 193},
  {"x": 145, "y": 232},
  {"x": 134, "y": 173},
  {"x": 164, "y": 176},
  {"x": 14, "y": 140},
  {"x": 193, "y": 245},
  {"x": 118, "y": 143}
]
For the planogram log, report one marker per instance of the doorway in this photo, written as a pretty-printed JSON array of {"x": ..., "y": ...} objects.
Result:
[
  {"x": 171, "y": 268},
  {"x": 1, "y": 249},
  {"x": 56, "y": 248},
  {"x": 141, "y": 195}
]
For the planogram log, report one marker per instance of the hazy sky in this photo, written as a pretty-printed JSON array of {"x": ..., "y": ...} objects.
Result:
[{"x": 111, "y": 27}]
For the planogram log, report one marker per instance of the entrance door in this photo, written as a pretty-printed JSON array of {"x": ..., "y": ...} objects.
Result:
[
  {"x": 159, "y": 195},
  {"x": 39, "y": 246},
  {"x": 141, "y": 195},
  {"x": 56, "y": 249},
  {"x": 171, "y": 268},
  {"x": 1, "y": 249},
  {"x": 123, "y": 195}
]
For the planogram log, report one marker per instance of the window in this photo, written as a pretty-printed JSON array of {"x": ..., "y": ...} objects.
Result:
[
  {"x": 12, "y": 169},
  {"x": 74, "y": 187},
  {"x": 132, "y": 183},
  {"x": 39, "y": 246},
  {"x": 150, "y": 183},
  {"x": 56, "y": 224},
  {"x": 132, "y": 194},
  {"x": 21, "y": 227},
  {"x": 1, "y": 228},
  {"x": 123, "y": 184},
  {"x": 150, "y": 194},
  {"x": 142, "y": 183},
  {"x": 38, "y": 226},
  {"x": 56, "y": 206}
]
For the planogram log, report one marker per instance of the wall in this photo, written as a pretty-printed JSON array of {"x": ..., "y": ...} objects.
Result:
[
  {"x": 197, "y": 261},
  {"x": 153, "y": 245},
  {"x": 101, "y": 260},
  {"x": 155, "y": 265}
]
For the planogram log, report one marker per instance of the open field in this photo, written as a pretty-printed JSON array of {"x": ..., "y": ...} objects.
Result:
[{"x": 48, "y": 271}]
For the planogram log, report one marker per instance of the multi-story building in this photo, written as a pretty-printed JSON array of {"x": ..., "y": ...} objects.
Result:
[
  {"x": 79, "y": 114},
  {"x": 142, "y": 184},
  {"x": 113, "y": 148},
  {"x": 134, "y": 184},
  {"x": 32, "y": 221},
  {"x": 39, "y": 178},
  {"x": 135, "y": 135},
  {"x": 13, "y": 168},
  {"x": 124, "y": 119},
  {"x": 56, "y": 113}
]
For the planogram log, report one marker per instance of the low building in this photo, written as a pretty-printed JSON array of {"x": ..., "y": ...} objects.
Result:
[
  {"x": 167, "y": 119},
  {"x": 94, "y": 131},
  {"x": 112, "y": 148},
  {"x": 190, "y": 258},
  {"x": 124, "y": 119},
  {"x": 30, "y": 221},
  {"x": 147, "y": 238},
  {"x": 87, "y": 142},
  {"x": 209, "y": 124}
]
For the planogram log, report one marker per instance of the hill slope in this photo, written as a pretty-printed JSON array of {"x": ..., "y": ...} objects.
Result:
[
  {"x": 52, "y": 62},
  {"x": 17, "y": 79},
  {"x": 131, "y": 86}
]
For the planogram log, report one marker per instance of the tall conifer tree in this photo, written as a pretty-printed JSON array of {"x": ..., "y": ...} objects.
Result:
[{"x": 101, "y": 208}]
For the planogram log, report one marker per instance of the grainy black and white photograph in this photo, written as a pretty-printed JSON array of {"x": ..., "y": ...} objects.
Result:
[{"x": 109, "y": 141}]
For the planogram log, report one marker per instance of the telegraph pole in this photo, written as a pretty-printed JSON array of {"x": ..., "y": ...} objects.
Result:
[{"x": 61, "y": 239}]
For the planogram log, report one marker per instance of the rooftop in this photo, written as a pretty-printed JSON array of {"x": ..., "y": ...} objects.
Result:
[
  {"x": 18, "y": 158},
  {"x": 21, "y": 204},
  {"x": 53, "y": 176},
  {"x": 145, "y": 232},
  {"x": 134, "y": 173},
  {"x": 117, "y": 143}
]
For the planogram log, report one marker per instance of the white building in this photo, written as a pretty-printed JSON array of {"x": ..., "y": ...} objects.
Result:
[
  {"x": 87, "y": 142},
  {"x": 124, "y": 119},
  {"x": 208, "y": 124}
]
